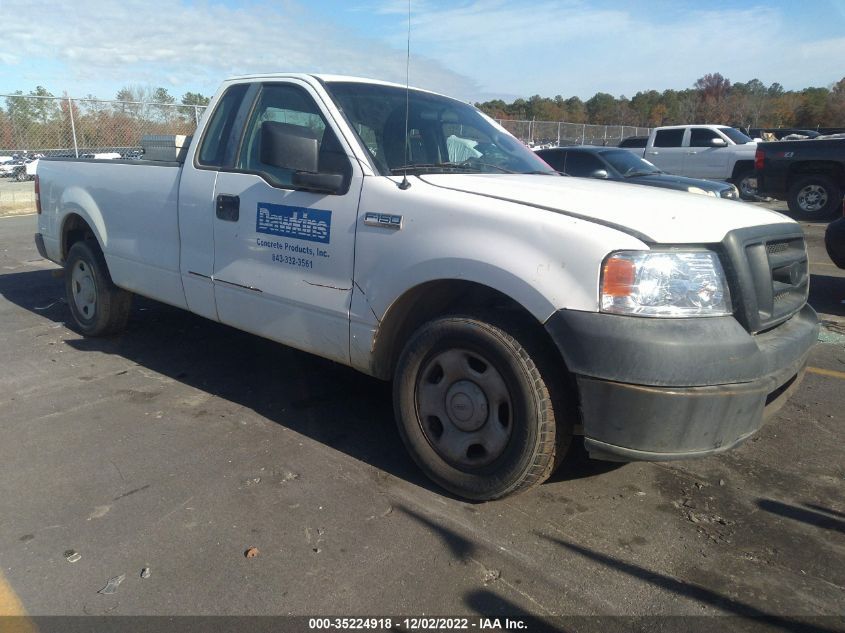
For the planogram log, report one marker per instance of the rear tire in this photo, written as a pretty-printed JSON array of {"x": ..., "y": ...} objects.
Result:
[
  {"x": 474, "y": 407},
  {"x": 814, "y": 197},
  {"x": 98, "y": 306}
]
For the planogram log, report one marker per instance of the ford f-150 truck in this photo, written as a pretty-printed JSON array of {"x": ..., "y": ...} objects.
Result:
[
  {"x": 809, "y": 174},
  {"x": 715, "y": 152},
  {"x": 407, "y": 235}
]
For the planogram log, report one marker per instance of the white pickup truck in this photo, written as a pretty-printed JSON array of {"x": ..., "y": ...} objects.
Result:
[
  {"x": 715, "y": 152},
  {"x": 418, "y": 242}
]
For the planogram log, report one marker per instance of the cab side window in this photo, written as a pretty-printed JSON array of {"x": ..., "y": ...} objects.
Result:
[
  {"x": 555, "y": 160},
  {"x": 293, "y": 106},
  {"x": 582, "y": 164},
  {"x": 701, "y": 137},
  {"x": 669, "y": 138}
]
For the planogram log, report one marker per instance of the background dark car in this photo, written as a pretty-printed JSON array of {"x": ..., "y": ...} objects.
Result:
[
  {"x": 834, "y": 241},
  {"x": 634, "y": 141},
  {"x": 611, "y": 163}
]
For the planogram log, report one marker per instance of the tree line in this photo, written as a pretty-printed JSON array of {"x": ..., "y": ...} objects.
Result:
[
  {"x": 712, "y": 99},
  {"x": 34, "y": 121}
]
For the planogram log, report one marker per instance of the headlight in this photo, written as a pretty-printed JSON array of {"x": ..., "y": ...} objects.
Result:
[
  {"x": 732, "y": 193},
  {"x": 664, "y": 284},
  {"x": 701, "y": 191}
]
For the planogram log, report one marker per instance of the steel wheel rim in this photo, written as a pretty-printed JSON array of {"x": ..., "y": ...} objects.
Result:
[
  {"x": 812, "y": 197},
  {"x": 84, "y": 290},
  {"x": 746, "y": 188},
  {"x": 464, "y": 408}
]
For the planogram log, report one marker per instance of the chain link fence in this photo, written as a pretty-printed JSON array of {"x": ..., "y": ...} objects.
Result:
[
  {"x": 32, "y": 127},
  {"x": 60, "y": 126},
  {"x": 556, "y": 133}
]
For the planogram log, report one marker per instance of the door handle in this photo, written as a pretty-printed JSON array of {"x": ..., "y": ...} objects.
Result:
[
  {"x": 653, "y": 153},
  {"x": 228, "y": 208},
  {"x": 692, "y": 152}
]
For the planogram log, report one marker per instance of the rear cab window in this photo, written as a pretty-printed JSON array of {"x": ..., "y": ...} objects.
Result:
[{"x": 218, "y": 140}]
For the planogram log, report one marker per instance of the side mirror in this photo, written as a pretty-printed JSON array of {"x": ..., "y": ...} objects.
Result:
[
  {"x": 295, "y": 147},
  {"x": 718, "y": 142},
  {"x": 599, "y": 173},
  {"x": 329, "y": 183},
  {"x": 289, "y": 147}
]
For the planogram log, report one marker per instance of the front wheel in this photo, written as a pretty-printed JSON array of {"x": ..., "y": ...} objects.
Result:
[
  {"x": 814, "y": 197},
  {"x": 98, "y": 306},
  {"x": 475, "y": 410},
  {"x": 746, "y": 182}
]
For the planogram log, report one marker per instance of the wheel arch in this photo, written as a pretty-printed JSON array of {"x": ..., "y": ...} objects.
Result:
[
  {"x": 81, "y": 219},
  {"x": 741, "y": 167},
  {"x": 435, "y": 298}
]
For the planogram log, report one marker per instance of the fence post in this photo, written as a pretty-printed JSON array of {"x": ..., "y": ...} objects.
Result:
[
  {"x": 73, "y": 127},
  {"x": 583, "y": 132},
  {"x": 558, "y": 133},
  {"x": 196, "y": 115}
]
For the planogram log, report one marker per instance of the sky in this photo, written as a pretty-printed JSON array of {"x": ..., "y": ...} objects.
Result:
[{"x": 471, "y": 49}]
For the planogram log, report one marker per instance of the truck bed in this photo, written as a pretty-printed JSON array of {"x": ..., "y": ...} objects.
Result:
[{"x": 132, "y": 205}]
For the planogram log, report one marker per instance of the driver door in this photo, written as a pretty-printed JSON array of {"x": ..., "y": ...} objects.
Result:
[{"x": 283, "y": 255}]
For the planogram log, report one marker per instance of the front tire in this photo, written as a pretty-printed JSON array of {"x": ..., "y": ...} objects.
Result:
[
  {"x": 98, "y": 306},
  {"x": 746, "y": 182},
  {"x": 814, "y": 197},
  {"x": 475, "y": 410}
]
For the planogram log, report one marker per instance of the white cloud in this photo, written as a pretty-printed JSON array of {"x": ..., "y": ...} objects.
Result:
[
  {"x": 472, "y": 49},
  {"x": 197, "y": 45},
  {"x": 573, "y": 47}
]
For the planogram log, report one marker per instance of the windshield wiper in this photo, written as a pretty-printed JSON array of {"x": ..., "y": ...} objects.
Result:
[
  {"x": 433, "y": 167},
  {"x": 641, "y": 173}
]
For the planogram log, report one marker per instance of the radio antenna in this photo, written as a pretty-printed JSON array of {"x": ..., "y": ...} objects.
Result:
[{"x": 406, "y": 184}]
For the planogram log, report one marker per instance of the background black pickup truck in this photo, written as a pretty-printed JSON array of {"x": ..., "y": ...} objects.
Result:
[{"x": 809, "y": 174}]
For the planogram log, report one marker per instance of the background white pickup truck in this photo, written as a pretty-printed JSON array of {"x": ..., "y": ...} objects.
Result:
[
  {"x": 716, "y": 152},
  {"x": 407, "y": 235}
]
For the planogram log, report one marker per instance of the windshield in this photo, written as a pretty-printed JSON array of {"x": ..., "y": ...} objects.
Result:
[
  {"x": 735, "y": 135},
  {"x": 629, "y": 164},
  {"x": 444, "y": 135}
]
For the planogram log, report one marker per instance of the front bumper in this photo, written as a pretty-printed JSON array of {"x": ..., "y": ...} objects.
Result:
[{"x": 662, "y": 389}]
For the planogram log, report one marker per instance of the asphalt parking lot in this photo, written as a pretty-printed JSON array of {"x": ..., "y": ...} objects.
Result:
[{"x": 182, "y": 443}]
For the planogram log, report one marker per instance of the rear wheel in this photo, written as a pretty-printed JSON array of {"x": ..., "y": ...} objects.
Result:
[
  {"x": 475, "y": 409},
  {"x": 98, "y": 306},
  {"x": 814, "y": 197}
]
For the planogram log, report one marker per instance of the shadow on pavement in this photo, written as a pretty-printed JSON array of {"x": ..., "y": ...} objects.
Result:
[
  {"x": 697, "y": 592},
  {"x": 810, "y": 517},
  {"x": 325, "y": 401},
  {"x": 827, "y": 294}
]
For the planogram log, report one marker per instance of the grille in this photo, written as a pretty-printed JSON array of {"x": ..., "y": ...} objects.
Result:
[{"x": 770, "y": 273}]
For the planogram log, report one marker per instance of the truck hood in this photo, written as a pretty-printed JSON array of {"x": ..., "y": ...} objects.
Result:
[{"x": 654, "y": 215}]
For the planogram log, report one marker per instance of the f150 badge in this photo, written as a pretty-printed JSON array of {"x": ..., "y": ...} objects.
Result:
[{"x": 383, "y": 219}]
